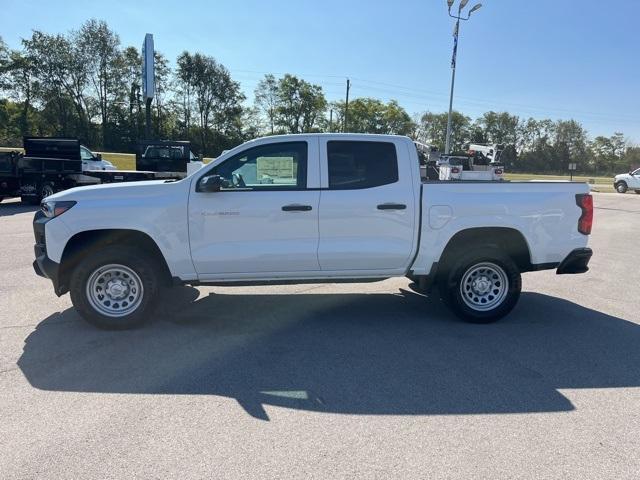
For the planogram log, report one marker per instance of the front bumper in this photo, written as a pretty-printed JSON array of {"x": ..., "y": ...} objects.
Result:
[
  {"x": 43, "y": 265},
  {"x": 576, "y": 262}
]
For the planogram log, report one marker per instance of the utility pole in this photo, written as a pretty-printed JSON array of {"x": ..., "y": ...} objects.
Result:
[
  {"x": 346, "y": 108},
  {"x": 456, "y": 32}
]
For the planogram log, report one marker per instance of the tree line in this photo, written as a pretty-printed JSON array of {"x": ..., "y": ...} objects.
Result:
[{"x": 86, "y": 84}]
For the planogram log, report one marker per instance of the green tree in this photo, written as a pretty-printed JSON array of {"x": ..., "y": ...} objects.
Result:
[
  {"x": 433, "y": 130},
  {"x": 162, "y": 79},
  {"x": 630, "y": 159},
  {"x": 60, "y": 81},
  {"x": 266, "y": 98},
  {"x": 300, "y": 106},
  {"x": 99, "y": 49},
  {"x": 4, "y": 66},
  {"x": 500, "y": 127},
  {"x": 131, "y": 83},
  {"x": 370, "y": 115},
  {"x": 570, "y": 144},
  {"x": 216, "y": 98}
]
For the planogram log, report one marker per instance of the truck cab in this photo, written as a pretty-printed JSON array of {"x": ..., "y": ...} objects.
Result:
[{"x": 94, "y": 161}]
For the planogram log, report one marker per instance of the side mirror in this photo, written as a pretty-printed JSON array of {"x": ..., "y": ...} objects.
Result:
[
  {"x": 210, "y": 183},
  {"x": 99, "y": 156}
]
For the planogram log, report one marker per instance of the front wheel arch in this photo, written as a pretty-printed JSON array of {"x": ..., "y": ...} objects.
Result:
[{"x": 86, "y": 243}]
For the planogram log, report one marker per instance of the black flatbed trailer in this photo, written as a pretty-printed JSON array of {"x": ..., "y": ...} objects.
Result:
[{"x": 50, "y": 165}]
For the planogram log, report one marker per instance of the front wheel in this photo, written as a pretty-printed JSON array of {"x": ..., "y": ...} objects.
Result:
[
  {"x": 482, "y": 286},
  {"x": 115, "y": 288},
  {"x": 621, "y": 187}
]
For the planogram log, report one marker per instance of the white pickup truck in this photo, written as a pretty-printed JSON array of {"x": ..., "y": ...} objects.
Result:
[
  {"x": 626, "y": 181},
  {"x": 307, "y": 209}
]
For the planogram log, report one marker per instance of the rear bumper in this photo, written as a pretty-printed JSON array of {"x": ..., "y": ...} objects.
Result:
[
  {"x": 43, "y": 265},
  {"x": 576, "y": 262}
]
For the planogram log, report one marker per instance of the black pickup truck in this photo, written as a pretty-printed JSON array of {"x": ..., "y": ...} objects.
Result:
[{"x": 50, "y": 165}]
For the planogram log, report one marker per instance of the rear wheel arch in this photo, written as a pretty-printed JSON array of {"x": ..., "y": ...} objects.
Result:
[
  {"x": 510, "y": 241},
  {"x": 85, "y": 243}
]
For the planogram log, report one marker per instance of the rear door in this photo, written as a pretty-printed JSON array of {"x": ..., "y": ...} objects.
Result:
[
  {"x": 265, "y": 218},
  {"x": 367, "y": 216}
]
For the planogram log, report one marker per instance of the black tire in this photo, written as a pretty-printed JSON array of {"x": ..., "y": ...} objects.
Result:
[
  {"x": 621, "y": 187},
  {"x": 45, "y": 190},
  {"x": 483, "y": 265},
  {"x": 145, "y": 271}
]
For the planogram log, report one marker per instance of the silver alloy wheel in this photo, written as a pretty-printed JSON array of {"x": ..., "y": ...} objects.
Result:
[
  {"x": 621, "y": 187},
  {"x": 484, "y": 286},
  {"x": 114, "y": 290}
]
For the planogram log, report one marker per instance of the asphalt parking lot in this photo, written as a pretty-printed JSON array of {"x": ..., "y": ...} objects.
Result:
[{"x": 328, "y": 381}]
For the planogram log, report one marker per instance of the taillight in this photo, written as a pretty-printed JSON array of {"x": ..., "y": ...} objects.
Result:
[
  {"x": 455, "y": 170},
  {"x": 499, "y": 171},
  {"x": 585, "y": 202}
]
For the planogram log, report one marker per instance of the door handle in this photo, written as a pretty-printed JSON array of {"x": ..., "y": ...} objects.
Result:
[
  {"x": 392, "y": 206},
  {"x": 296, "y": 208}
]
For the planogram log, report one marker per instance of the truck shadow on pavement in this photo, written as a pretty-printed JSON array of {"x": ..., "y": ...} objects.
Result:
[
  {"x": 15, "y": 208},
  {"x": 369, "y": 354}
]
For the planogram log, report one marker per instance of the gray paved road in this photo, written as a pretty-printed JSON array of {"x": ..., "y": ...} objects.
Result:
[{"x": 328, "y": 381}]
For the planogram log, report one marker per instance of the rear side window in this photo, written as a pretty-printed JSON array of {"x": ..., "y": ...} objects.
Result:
[{"x": 355, "y": 165}]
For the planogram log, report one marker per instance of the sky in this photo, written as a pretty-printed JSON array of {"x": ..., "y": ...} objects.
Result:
[{"x": 556, "y": 59}]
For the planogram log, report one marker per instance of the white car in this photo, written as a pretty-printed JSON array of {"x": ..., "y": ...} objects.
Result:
[
  {"x": 627, "y": 181},
  {"x": 340, "y": 208}
]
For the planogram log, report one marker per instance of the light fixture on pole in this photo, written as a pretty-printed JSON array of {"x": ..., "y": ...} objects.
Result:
[{"x": 456, "y": 33}]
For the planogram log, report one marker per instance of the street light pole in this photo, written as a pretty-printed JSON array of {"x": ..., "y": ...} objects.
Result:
[{"x": 456, "y": 32}]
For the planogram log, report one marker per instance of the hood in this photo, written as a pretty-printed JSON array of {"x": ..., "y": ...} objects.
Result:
[
  {"x": 115, "y": 190},
  {"x": 621, "y": 176}
]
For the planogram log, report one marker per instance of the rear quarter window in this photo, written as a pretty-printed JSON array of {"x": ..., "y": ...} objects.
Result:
[{"x": 357, "y": 165}]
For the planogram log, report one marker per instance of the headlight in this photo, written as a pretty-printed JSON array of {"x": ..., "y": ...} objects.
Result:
[{"x": 53, "y": 209}]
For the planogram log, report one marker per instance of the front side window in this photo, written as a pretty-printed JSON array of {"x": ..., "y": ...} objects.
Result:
[
  {"x": 357, "y": 165},
  {"x": 85, "y": 154},
  {"x": 637, "y": 172},
  {"x": 278, "y": 166}
]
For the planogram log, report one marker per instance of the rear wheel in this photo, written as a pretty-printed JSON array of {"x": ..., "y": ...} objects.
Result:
[
  {"x": 46, "y": 189},
  {"x": 41, "y": 192},
  {"x": 115, "y": 288},
  {"x": 482, "y": 286},
  {"x": 621, "y": 187}
]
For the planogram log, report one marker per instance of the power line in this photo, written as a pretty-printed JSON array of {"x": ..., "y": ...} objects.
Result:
[{"x": 431, "y": 96}]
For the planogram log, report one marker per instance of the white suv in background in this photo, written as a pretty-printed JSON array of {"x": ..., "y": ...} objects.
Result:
[{"x": 627, "y": 181}]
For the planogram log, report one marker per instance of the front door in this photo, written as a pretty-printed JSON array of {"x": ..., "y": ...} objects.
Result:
[{"x": 264, "y": 219}]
